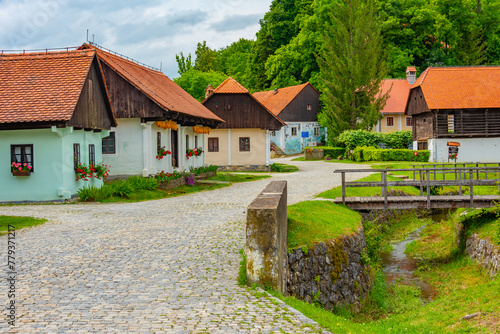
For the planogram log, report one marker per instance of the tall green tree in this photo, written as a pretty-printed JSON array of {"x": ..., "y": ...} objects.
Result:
[
  {"x": 206, "y": 58},
  {"x": 352, "y": 67},
  {"x": 194, "y": 82},
  {"x": 184, "y": 63}
]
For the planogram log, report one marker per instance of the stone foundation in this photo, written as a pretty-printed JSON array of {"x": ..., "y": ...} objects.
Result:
[
  {"x": 484, "y": 252},
  {"x": 333, "y": 273},
  {"x": 244, "y": 168}
]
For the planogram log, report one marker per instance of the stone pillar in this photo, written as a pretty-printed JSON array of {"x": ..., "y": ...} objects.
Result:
[{"x": 266, "y": 237}]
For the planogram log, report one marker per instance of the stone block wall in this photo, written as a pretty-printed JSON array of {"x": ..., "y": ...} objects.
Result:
[
  {"x": 314, "y": 154},
  {"x": 484, "y": 252},
  {"x": 332, "y": 273},
  {"x": 266, "y": 237}
]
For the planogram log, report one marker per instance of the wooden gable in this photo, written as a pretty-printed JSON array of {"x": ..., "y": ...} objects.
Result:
[
  {"x": 93, "y": 109},
  {"x": 416, "y": 102},
  {"x": 127, "y": 100},
  {"x": 297, "y": 110},
  {"x": 241, "y": 111}
]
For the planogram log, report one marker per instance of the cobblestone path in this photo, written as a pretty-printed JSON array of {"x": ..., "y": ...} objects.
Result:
[{"x": 164, "y": 266}]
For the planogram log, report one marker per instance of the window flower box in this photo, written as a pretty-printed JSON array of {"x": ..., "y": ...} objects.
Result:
[
  {"x": 21, "y": 173},
  {"x": 19, "y": 169}
]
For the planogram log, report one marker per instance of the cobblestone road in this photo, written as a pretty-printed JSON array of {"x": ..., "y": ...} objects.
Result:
[{"x": 165, "y": 266}]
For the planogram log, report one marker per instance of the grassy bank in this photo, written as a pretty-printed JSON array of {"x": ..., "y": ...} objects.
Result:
[
  {"x": 462, "y": 288},
  {"x": 311, "y": 222},
  {"x": 18, "y": 222}
]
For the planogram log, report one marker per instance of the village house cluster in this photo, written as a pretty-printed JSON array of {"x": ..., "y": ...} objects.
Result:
[{"x": 66, "y": 117}]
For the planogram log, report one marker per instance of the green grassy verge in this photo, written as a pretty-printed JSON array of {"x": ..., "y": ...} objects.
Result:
[
  {"x": 230, "y": 177},
  {"x": 368, "y": 191},
  {"x": 462, "y": 287},
  {"x": 147, "y": 195},
  {"x": 315, "y": 221},
  {"x": 283, "y": 168},
  {"x": 18, "y": 222}
]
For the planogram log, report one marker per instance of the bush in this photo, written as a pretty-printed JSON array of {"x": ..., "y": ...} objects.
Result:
[
  {"x": 89, "y": 194},
  {"x": 120, "y": 188},
  {"x": 140, "y": 183},
  {"x": 278, "y": 168},
  {"x": 359, "y": 138},
  {"x": 333, "y": 152},
  {"x": 377, "y": 154}
]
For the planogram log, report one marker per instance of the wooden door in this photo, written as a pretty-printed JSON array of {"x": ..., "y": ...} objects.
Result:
[{"x": 175, "y": 149}]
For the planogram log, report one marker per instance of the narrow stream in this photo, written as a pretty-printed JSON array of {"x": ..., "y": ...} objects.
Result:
[{"x": 399, "y": 268}]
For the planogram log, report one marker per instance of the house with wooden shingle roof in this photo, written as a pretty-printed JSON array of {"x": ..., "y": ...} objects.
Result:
[
  {"x": 152, "y": 113},
  {"x": 393, "y": 113},
  {"x": 298, "y": 106},
  {"x": 243, "y": 140},
  {"x": 54, "y": 112},
  {"x": 457, "y": 107}
]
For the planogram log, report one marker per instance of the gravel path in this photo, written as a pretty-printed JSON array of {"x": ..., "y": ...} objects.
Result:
[{"x": 164, "y": 266}]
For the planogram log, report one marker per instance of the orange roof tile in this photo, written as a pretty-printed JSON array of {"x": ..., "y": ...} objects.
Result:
[
  {"x": 156, "y": 85},
  {"x": 398, "y": 96},
  {"x": 42, "y": 87},
  {"x": 277, "y": 101},
  {"x": 411, "y": 69},
  {"x": 230, "y": 86},
  {"x": 460, "y": 87}
]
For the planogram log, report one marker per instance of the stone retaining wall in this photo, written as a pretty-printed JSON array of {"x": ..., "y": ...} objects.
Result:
[
  {"x": 244, "y": 168},
  {"x": 484, "y": 252},
  {"x": 333, "y": 273}
]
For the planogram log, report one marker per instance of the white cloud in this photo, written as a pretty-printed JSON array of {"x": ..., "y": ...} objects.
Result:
[{"x": 151, "y": 31}]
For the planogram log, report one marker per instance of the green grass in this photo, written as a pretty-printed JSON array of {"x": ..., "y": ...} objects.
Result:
[
  {"x": 462, "y": 287},
  {"x": 18, "y": 222},
  {"x": 147, "y": 195},
  {"x": 311, "y": 222},
  {"x": 368, "y": 191},
  {"x": 283, "y": 168},
  {"x": 230, "y": 177},
  {"x": 490, "y": 232},
  {"x": 299, "y": 159}
]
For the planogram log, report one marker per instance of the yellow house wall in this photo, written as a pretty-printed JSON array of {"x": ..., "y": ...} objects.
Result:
[
  {"x": 399, "y": 124},
  {"x": 256, "y": 155},
  {"x": 217, "y": 158}
]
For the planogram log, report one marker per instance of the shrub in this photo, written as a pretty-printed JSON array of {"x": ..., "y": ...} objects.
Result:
[
  {"x": 278, "y": 168},
  {"x": 162, "y": 176},
  {"x": 120, "y": 188},
  {"x": 89, "y": 194},
  {"x": 140, "y": 183},
  {"x": 377, "y": 154},
  {"x": 358, "y": 138},
  {"x": 331, "y": 151},
  {"x": 199, "y": 170}
]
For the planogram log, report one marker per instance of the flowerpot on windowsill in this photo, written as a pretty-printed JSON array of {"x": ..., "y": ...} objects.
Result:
[{"x": 21, "y": 173}]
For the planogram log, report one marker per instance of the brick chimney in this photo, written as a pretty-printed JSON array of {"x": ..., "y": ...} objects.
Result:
[
  {"x": 209, "y": 90},
  {"x": 411, "y": 74}
]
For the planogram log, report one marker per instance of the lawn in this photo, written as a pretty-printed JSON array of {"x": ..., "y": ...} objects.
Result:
[
  {"x": 311, "y": 222},
  {"x": 233, "y": 178},
  {"x": 368, "y": 191},
  {"x": 18, "y": 222},
  {"x": 462, "y": 287}
]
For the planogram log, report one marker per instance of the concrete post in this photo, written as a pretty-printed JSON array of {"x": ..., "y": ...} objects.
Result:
[{"x": 266, "y": 237}]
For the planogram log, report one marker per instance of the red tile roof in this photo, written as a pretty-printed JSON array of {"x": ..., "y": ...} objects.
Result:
[
  {"x": 230, "y": 86},
  {"x": 411, "y": 69},
  {"x": 276, "y": 101},
  {"x": 42, "y": 87},
  {"x": 460, "y": 87},
  {"x": 398, "y": 96},
  {"x": 156, "y": 85}
]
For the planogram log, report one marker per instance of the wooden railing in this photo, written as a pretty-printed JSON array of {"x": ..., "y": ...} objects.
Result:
[{"x": 464, "y": 176}]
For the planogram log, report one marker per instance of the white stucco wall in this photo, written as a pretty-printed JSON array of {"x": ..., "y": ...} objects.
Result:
[
  {"x": 470, "y": 150},
  {"x": 296, "y": 144}
]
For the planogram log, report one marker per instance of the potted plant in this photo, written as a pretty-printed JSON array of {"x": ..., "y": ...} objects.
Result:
[
  {"x": 162, "y": 152},
  {"x": 85, "y": 173},
  {"x": 20, "y": 169}
]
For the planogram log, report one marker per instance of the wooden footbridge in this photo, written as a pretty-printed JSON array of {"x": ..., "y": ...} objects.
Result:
[{"x": 463, "y": 176}]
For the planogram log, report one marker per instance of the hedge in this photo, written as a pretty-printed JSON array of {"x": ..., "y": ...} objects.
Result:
[
  {"x": 376, "y": 154},
  {"x": 330, "y": 151},
  {"x": 359, "y": 138}
]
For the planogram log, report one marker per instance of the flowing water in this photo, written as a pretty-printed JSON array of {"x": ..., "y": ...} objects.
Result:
[{"x": 399, "y": 268}]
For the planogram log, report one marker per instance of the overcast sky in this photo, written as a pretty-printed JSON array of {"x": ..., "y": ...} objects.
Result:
[{"x": 150, "y": 31}]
